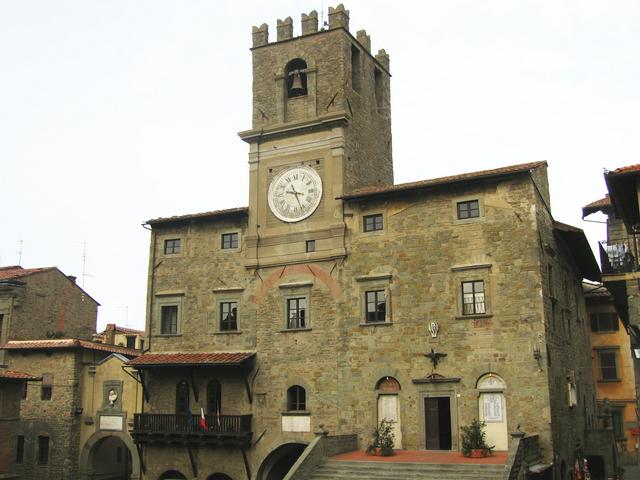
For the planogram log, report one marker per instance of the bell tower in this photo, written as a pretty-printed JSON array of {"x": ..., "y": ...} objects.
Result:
[{"x": 321, "y": 128}]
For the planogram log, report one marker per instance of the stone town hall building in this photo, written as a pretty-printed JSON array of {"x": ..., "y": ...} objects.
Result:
[{"x": 316, "y": 307}]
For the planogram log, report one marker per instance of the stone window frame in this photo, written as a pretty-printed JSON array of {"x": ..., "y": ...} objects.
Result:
[
  {"x": 162, "y": 242},
  {"x": 613, "y": 350},
  {"x": 364, "y": 217},
  {"x": 293, "y": 381},
  {"x": 296, "y": 404},
  {"x": 471, "y": 273},
  {"x": 227, "y": 295},
  {"x": 232, "y": 304},
  {"x": 225, "y": 233},
  {"x": 169, "y": 300},
  {"x": 375, "y": 282},
  {"x": 463, "y": 199},
  {"x": 40, "y": 460},
  {"x": 165, "y": 246},
  {"x": 296, "y": 290},
  {"x": 46, "y": 387}
]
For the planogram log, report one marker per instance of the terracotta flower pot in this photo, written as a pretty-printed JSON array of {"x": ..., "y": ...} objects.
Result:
[{"x": 478, "y": 453}]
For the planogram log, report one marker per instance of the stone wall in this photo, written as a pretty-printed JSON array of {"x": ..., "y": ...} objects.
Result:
[{"x": 10, "y": 393}]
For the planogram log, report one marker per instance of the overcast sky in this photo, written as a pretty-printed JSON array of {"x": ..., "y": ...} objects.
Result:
[{"x": 115, "y": 112}]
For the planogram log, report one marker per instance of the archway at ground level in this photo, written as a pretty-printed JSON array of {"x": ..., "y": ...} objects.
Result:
[
  {"x": 596, "y": 467},
  {"x": 219, "y": 476},
  {"x": 110, "y": 455},
  {"x": 277, "y": 464},
  {"x": 172, "y": 475}
]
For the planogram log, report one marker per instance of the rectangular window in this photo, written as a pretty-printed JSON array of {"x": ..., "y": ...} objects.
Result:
[
  {"x": 311, "y": 246},
  {"x": 46, "y": 390},
  {"x": 372, "y": 222},
  {"x": 25, "y": 389},
  {"x": 131, "y": 341},
  {"x": 296, "y": 313},
  {"x": 172, "y": 246},
  {"x": 20, "y": 449},
  {"x": 608, "y": 367},
  {"x": 617, "y": 421},
  {"x": 473, "y": 298},
  {"x": 376, "y": 306},
  {"x": 228, "y": 316},
  {"x": 230, "y": 240},
  {"x": 169, "y": 319},
  {"x": 43, "y": 450},
  {"x": 468, "y": 209},
  {"x": 604, "y": 322}
]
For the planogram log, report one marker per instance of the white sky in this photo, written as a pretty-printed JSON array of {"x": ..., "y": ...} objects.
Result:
[{"x": 112, "y": 113}]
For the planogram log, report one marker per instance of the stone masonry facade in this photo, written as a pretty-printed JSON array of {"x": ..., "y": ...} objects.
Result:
[{"x": 530, "y": 332}]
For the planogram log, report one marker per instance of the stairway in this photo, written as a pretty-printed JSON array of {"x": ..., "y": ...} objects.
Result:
[{"x": 358, "y": 470}]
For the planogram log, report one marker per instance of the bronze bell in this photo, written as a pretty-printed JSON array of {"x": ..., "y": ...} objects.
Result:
[{"x": 296, "y": 84}]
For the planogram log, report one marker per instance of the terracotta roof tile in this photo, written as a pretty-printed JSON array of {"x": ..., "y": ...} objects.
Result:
[
  {"x": 627, "y": 169},
  {"x": 16, "y": 271},
  {"x": 195, "y": 358},
  {"x": 603, "y": 202},
  {"x": 115, "y": 328},
  {"x": 66, "y": 343},
  {"x": 12, "y": 375},
  {"x": 229, "y": 212},
  {"x": 464, "y": 177}
]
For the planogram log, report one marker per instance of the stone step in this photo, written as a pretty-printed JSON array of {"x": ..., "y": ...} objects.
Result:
[{"x": 351, "y": 470}]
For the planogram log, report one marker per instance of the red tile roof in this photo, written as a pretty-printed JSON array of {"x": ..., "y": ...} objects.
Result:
[
  {"x": 196, "y": 358},
  {"x": 434, "y": 182},
  {"x": 12, "y": 375},
  {"x": 603, "y": 202},
  {"x": 16, "y": 271},
  {"x": 229, "y": 212},
  {"x": 627, "y": 169},
  {"x": 66, "y": 343},
  {"x": 116, "y": 328}
]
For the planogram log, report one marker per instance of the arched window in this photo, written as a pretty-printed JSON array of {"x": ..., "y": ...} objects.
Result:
[
  {"x": 214, "y": 397},
  {"x": 182, "y": 397},
  {"x": 296, "y": 78},
  {"x": 172, "y": 475},
  {"x": 296, "y": 399}
]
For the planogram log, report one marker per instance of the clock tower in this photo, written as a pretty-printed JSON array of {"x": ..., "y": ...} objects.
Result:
[{"x": 321, "y": 128}]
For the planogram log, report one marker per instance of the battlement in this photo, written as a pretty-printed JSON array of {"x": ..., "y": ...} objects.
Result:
[{"x": 338, "y": 17}]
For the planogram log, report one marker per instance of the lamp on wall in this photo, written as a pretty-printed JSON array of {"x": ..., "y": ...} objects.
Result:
[{"x": 537, "y": 355}]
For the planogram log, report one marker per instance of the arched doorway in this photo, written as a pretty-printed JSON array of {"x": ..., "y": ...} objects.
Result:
[
  {"x": 277, "y": 464},
  {"x": 172, "y": 475},
  {"x": 492, "y": 410},
  {"x": 109, "y": 455},
  {"x": 388, "y": 389}
]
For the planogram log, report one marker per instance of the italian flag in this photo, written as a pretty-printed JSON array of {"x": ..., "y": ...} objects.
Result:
[{"x": 203, "y": 419}]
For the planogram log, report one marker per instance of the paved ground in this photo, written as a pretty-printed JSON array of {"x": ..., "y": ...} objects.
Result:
[{"x": 426, "y": 456}]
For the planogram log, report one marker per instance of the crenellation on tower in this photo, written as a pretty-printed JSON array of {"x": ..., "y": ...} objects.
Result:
[
  {"x": 309, "y": 23},
  {"x": 260, "y": 35},
  {"x": 364, "y": 39},
  {"x": 284, "y": 29},
  {"x": 383, "y": 58},
  {"x": 338, "y": 17}
]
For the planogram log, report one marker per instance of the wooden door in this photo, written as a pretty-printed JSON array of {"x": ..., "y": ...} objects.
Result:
[{"x": 432, "y": 424}]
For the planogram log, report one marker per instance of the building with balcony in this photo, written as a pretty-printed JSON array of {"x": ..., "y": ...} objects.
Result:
[{"x": 338, "y": 299}]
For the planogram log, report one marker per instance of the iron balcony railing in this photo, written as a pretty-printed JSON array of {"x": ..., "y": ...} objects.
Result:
[
  {"x": 619, "y": 256},
  {"x": 220, "y": 429}
]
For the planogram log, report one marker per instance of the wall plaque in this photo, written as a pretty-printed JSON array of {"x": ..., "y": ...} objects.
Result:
[
  {"x": 111, "y": 422},
  {"x": 492, "y": 407}
]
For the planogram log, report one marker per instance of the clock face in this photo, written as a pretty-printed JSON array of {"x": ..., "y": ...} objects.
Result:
[{"x": 295, "y": 193}]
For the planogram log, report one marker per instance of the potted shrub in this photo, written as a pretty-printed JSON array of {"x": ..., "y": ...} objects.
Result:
[
  {"x": 385, "y": 437},
  {"x": 474, "y": 440}
]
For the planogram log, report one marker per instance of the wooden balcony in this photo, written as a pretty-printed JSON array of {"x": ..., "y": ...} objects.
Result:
[{"x": 221, "y": 430}]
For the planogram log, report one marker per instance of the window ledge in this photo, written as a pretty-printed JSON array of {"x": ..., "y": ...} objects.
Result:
[
  {"x": 295, "y": 330},
  {"x": 296, "y": 413},
  {"x": 168, "y": 335},
  {"x": 373, "y": 277},
  {"x": 375, "y": 324},
  {"x": 477, "y": 315},
  {"x": 228, "y": 289},
  {"x": 228, "y": 332}
]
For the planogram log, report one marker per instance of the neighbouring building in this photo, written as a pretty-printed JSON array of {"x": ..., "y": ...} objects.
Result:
[
  {"x": 83, "y": 400},
  {"x": 122, "y": 336},
  {"x": 38, "y": 303},
  {"x": 12, "y": 387},
  {"x": 337, "y": 298}
]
